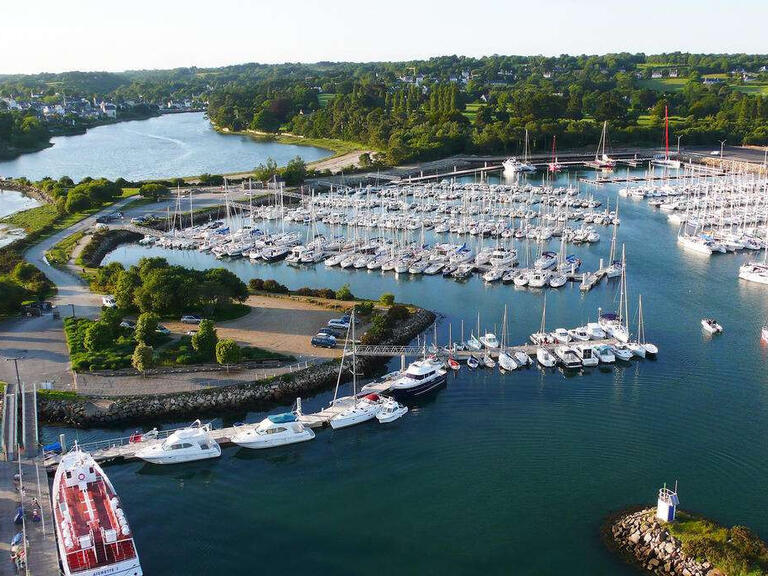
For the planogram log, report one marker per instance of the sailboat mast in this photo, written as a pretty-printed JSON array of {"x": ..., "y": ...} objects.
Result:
[{"x": 666, "y": 133}]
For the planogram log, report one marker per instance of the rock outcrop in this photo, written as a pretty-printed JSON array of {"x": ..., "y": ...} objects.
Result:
[{"x": 645, "y": 541}]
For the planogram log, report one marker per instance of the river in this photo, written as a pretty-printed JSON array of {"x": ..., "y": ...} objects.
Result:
[
  {"x": 172, "y": 145},
  {"x": 495, "y": 474}
]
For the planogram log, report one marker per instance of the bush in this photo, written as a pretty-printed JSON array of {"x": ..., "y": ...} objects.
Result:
[
  {"x": 256, "y": 284},
  {"x": 98, "y": 336},
  {"x": 387, "y": 299},
  {"x": 142, "y": 357},
  {"x": 344, "y": 293},
  {"x": 397, "y": 312},
  {"x": 227, "y": 352},
  {"x": 274, "y": 287},
  {"x": 153, "y": 190},
  {"x": 364, "y": 308}
]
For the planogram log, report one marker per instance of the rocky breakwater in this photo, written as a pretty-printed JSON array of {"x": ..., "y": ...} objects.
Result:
[
  {"x": 645, "y": 541},
  {"x": 81, "y": 411}
]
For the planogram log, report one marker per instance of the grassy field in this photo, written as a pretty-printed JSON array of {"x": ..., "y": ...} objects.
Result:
[
  {"x": 60, "y": 254},
  {"x": 753, "y": 89},
  {"x": 471, "y": 110},
  {"x": 645, "y": 120},
  {"x": 338, "y": 147},
  {"x": 325, "y": 98},
  {"x": 736, "y": 551},
  {"x": 663, "y": 84}
]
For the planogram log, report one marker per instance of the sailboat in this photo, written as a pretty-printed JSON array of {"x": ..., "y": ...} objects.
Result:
[
  {"x": 615, "y": 324},
  {"x": 506, "y": 362},
  {"x": 354, "y": 410},
  {"x": 541, "y": 337},
  {"x": 602, "y": 161},
  {"x": 554, "y": 165},
  {"x": 513, "y": 165},
  {"x": 665, "y": 160},
  {"x": 756, "y": 271}
]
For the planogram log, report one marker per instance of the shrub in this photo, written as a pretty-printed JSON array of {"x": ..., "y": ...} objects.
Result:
[
  {"x": 364, "y": 308},
  {"x": 98, "y": 336},
  {"x": 142, "y": 357},
  {"x": 153, "y": 190},
  {"x": 256, "y": 284},
  {"x": 274, "y": 287},
  {"x": 397, "y": 312}
]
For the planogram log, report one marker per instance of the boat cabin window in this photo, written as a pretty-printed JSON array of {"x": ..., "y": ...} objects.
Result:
[
  {"x": 275, "y": 430},
  {"x": 203, "y": 446}
]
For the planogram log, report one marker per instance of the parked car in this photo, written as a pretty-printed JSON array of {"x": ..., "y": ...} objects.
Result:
[
  {"x": 191, "y": 332},
  {"x": 109, "y": 302},
  {"x": 191, "y": 319},
  {"x": 323, "y": 341},
  {"x": 129, "y": 324},
  {"x": 138, "y": 220},
  {"x": 162, "y": 329}
]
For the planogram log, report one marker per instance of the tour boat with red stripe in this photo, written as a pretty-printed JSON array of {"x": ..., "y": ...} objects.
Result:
[{"x": 94, "y": 536}]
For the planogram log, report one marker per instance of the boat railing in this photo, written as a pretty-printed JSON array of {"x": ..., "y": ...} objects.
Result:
[{"x": 124, "y": 441}]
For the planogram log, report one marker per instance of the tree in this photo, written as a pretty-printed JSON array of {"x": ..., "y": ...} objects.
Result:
[
  {"x": 142, "y": 357},
  {"x": 227, "y": 352},
  {"x": 127, "y": 282},
  {"x": 98, "y": 336},
  {"x": 145, "y": 327},
  {"x": 205, "y": 340},
  {"x": 153, "y": 190},
  {"x": 387, "y": 299},
  {"x": 295, "y": 171},
  {"x": 344, "y": 293}
]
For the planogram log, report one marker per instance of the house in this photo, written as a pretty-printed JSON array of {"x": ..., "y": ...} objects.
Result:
[
  {"x": 709, "y": 80},
  {"x": 108, "y": 109},
  {"x": 656, "y": 74},
  {"x": 673, "y": 73}
]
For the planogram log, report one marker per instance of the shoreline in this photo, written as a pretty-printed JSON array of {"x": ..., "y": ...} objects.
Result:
[{"x": 70, "y": 409}]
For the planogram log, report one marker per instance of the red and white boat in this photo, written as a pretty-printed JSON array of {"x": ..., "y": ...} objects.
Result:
[{"x": 93, "y": 533}]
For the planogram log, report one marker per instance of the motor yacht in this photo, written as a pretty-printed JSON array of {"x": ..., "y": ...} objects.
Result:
[
  {"x": 622, "y": 352},
  {"x": 595, "y": 331},
  {"x": 184, "y": 445},
  {"x": 561, "y": 335},
  {"x": 579, "y": 334},
  {"x": 568, "y": 357},
  {"x": 274, "y": 430},
  {"x": 420, "y": 378}
]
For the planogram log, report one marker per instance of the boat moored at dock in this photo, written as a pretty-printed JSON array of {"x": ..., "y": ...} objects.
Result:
[
  {"x": 94, "y": 537},
  {"x": 184, "y": 445}
]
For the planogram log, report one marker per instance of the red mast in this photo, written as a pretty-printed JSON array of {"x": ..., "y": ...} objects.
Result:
[{"x": 666, "y": 133}]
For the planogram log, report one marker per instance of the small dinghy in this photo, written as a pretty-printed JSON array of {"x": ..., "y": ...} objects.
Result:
[
  {"x": 453, "y": 364},
  {"x": 710, "y": 325},
  {"x": 390, "y": 410},
  {"x": 472, "y": 363}
]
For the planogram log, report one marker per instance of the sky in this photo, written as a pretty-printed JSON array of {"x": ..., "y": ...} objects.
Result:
[{"x": 56, "y": 36}]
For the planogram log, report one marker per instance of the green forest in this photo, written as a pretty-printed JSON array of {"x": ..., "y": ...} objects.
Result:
[{"x": 430, "y": 108}]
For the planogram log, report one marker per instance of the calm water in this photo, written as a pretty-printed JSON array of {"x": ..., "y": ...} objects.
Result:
[
  {"x": 495, "y": 474},
  {"x": 12, "y": 202},
  {"x": 163, "y": 147}
]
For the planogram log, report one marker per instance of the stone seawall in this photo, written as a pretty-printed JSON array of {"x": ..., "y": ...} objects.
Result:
[
  {"x": 106, "y": 243},
  {"x": 641, "y": 539},
  {"x": 84, "y": 412}
]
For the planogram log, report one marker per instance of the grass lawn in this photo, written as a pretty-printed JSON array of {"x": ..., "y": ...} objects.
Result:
[
  {"x": 663, "y": 84},
  {"x": 735, "y": 551},
  {"x": 181, "y": 352},
  {"x": 60, "y": 254},
  {"x": 35, "y": 219},
  {"x": 645, "y": 120},
  {"x": 753, "y": 89},
  {"x": 338, "y": 147}
]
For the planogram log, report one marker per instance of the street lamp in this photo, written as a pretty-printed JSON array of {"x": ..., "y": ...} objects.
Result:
[
  {"x": 678, "y": 144},
  {"x": 722, "y": 144},
  {"x": 16, "y": 365}
]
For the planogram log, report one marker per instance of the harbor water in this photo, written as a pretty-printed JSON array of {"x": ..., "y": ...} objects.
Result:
[
  {"x": 169, "y": 146},
  {"x": 494, "y": 474}
]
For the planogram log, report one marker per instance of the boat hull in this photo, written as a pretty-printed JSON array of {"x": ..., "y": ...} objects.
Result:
[{"x": 420, "y": 389}]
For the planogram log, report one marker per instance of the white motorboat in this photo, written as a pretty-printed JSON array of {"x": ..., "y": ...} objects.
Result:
[
  {"x": 595, "y": 331},
  {"x": 472, "y": 363},
  {"x": 184, "y": 445},
  {"x": 545, "y": 358},
  {"x": 587, "y": 356},
  {"x": 489, "y": 341},
  {"x": 579, "y": 334},
  {"x": 604, "y": 354},
  {"x": 568, "y": 357},
  {"x": 488, "y": 362},
  {"x": 561, "y": 335},
  {"x": 390, "y": 410},
  {"x": 637, "y": 349},
  {"x": 622, "y": 352},
  {"x": 522, "y": 359},
  {"x": 557, "y": 280},
  {"x": 710, "y": 325},
  {"x": 274, "y": 430}
]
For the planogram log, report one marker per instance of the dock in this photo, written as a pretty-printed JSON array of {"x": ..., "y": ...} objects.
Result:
[{"x": 24, "y": 483}]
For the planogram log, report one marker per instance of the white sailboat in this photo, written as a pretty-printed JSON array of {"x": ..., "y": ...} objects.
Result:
[
  {"x": 506, "y": 362},
  {"x": 514, "y": 166}
]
